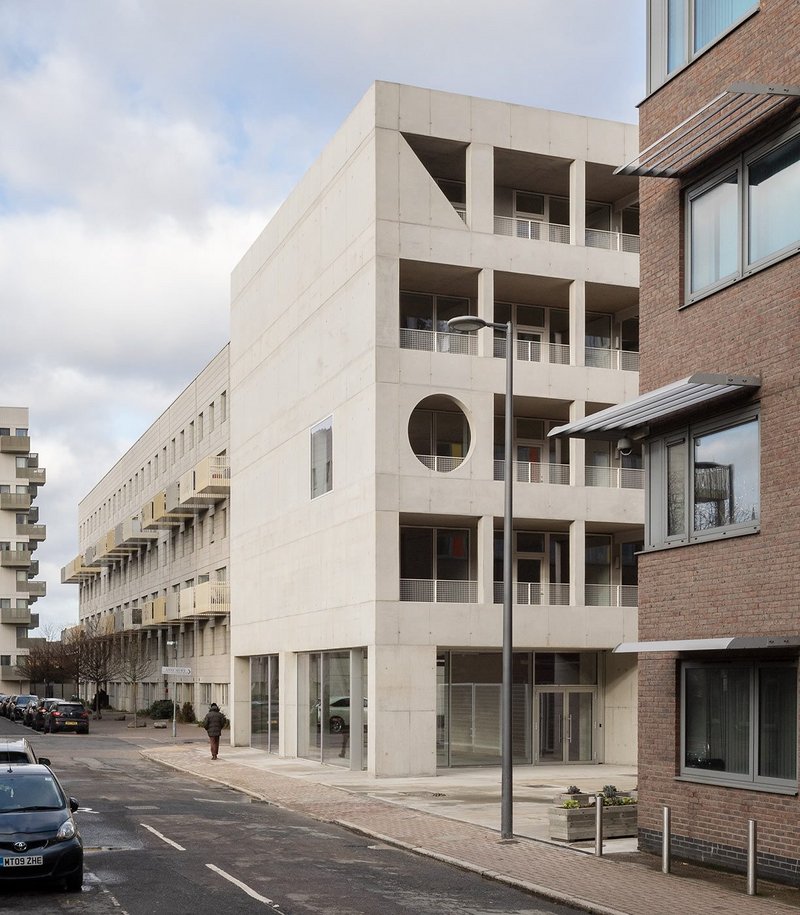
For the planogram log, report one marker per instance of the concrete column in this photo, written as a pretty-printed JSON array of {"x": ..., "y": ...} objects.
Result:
[
  {"x": 577, "y": 202},
  {"x": 577, "y": 323},
  {"x": 356, "y": 708},
  {"x": 486, "y": 310},
  {"x": 485, "y": 551},
  {"x": 239, "y": 701},
  {"x": 577, "y": 447},
  {"x": 577, "y": 563},
  {"x": 480, "y": 187}
]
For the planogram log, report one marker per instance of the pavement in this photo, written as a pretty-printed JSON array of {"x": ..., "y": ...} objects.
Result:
[{"x": 454, "y": 817}]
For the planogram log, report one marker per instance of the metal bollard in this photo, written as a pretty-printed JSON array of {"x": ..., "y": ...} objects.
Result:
[
  {"x": 666, "y": 842},
  {"x": 598, "y": 825},
  {"x": 752, "y": 853}
]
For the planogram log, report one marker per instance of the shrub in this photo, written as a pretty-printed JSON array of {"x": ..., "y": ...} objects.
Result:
[
  {"x": 160, "y": 709},
  {"x": 187, "y": 714},
  {"x": 571, "y": 804}
]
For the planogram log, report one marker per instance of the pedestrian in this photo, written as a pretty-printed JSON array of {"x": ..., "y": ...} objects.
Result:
[{"x": 213, "y": 723}]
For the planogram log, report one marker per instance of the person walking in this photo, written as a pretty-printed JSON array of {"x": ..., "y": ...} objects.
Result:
[{"x": 213, "y": 723}]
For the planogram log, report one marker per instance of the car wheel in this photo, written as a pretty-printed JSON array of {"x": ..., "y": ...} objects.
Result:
[
  {"x": 337, "y": 725},
  {"x": 75, "y": 881}
]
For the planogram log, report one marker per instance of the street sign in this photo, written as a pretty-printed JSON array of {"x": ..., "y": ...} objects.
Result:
[{"x": 176, "y": 670}]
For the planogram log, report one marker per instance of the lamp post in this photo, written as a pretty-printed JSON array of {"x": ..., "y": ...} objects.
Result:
[
  {"x": 470, "y": 323},
  {"x": 174, "y": 689}
]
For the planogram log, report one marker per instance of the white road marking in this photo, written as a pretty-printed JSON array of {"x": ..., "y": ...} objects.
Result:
[
  {"x": 163, "y": 837},
  {"x": 242, "y": 886},
  {"x": 144, "y": 807}
]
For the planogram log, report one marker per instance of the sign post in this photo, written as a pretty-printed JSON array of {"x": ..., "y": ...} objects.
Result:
[{"x": 175, "y": 672}]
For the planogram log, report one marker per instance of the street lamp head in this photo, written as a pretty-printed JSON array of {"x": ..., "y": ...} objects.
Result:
[{"x": 466, "y": 323}]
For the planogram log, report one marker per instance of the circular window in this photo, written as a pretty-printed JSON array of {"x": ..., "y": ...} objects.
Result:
[{"x": 438, "y": 432}]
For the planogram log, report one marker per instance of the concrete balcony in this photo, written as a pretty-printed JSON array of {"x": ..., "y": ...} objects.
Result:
[
  {"x": 34, "y": 589},
  {"x": 160, "y": 515},
  {"x": 36, "y": 475},
  {"x": 131, "y": 619},
  {"x": 207, "y": 483},
  {"x": 210, "y": 598},
  {"x": 35, "y": 532},
  {"x": 16, "y": 616},
  {"x": 15, "y": 444},
  {"x": 154, "y": 612},
  {"x": 15, "y": 559},
  {"x": 28, "y": 643},
  {"x": 33, "y": 569},
  {"x": 10, "y": 672},
  {"x": 34, "y": 624},
  {"x": 130, "y": 536},
  {"x": 15, "y": 501},
  {"x": 74, "y": 571}
]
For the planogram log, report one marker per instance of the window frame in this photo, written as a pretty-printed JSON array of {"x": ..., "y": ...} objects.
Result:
[
  {"x": 327, "y": 485},
  {"x": 740, "y": 167},
  {"x": 657, "y": 534},
  {"x": 751, "y": 779}
]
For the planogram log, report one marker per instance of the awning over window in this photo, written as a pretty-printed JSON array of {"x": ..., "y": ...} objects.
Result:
[
  {"x": 740, "y": 643},
  {"x": 712, "y": 127},
  {"x": 663, "y": 403}
]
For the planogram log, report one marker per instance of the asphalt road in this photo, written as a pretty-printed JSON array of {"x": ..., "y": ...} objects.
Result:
[{"x": 160, "y": 842}]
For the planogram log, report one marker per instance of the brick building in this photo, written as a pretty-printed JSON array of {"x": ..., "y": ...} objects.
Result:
[{"x": 719, "y": 578}]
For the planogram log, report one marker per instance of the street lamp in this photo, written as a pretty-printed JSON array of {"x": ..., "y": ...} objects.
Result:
[
  {"x": 472, "y": 323},
  {"x": 174, "y": 690}
]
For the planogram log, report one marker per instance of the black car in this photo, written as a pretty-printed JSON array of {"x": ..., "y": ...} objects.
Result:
[
  {"x": 38, "y": 835},
  {"x": 67, "y": 716}
]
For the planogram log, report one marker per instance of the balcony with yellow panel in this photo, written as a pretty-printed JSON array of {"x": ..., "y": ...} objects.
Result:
[
  {"x": 210, "y": 598},
  {"x": 154, "y": 612}
]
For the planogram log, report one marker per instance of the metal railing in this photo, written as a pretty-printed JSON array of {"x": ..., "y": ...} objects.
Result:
[
  {"x": 525, "y": 472},
  {"x": 612, "y": 241},
  {"x": 440, "y": 463},
  {"x": 437, "y": 341},
  {"x": 615, "y": 477},
  {"x": 534, "y": 351},
  {"x": 612, "y": 595},
  {"x": 535, "y": 593},
  {"x": 461, "y": 210},
  {"x": 426, "y": 590},
  {"x": 618, "y": 359},
  {"x": 533, "y": 229}
]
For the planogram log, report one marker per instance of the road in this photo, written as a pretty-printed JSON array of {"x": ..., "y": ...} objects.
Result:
[{"x": 159, "y": 842}]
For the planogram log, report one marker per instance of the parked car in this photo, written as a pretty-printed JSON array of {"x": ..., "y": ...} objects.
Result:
[
  {"x": 39, "y": 713},
  {"x": 17, "y": 710},
  {"x": 339, "y": 709},
  {"x": 18, "y": 750},
  {"x": 6, "y": 706},
  {"x": 67, "y": 716},
  {"x": 38, "y": 834}
]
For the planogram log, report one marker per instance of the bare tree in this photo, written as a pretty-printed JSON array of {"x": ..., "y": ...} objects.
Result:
[
  {"x": 95, "y": 658},
  {"x": 135, "y": 664},
  {"x": 47, "y": 662}
]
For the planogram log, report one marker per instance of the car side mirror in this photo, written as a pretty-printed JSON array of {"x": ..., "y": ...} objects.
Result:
[
  {"x": 44, "y": 761},
  {"x": 73, "y": 804}
]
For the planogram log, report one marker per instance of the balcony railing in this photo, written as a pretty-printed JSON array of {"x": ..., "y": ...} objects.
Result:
[
  {"x": 209, "y": 598},
  {"x": 615, "y": 477},
  {"x": 461, "y": 210},
  {"x": 535, "y": 593},
  {"x": 430, "y": 591},
  {"x": 440, "y": 463},
  {"x": 612, "y": 241},
  {"x": 534, "y": 351},
  {"x": 618, "y": 359},
  {"x": 525, "y": 472},
  {"x": 438, "y": 341},
  {"x": 612, "y": 595},
  {"x": 534, "y": 229}
]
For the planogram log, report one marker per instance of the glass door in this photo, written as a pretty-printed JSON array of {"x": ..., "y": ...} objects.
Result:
[
  {"x": 565, "y": 722},
  {"x": 551, "y": 726}
]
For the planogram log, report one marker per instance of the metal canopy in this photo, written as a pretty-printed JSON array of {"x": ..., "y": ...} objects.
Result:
[
  {"x": 732, "y": 643},
  {"x": 712, "y": 127},
  {"x": 661, "y": 404}
]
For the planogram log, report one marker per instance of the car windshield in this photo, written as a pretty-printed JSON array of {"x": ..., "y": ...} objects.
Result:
[{"x": 37, "y": 792}]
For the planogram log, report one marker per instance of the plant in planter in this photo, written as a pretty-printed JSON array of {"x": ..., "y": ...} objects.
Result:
[{"x": 572, "y": 821}]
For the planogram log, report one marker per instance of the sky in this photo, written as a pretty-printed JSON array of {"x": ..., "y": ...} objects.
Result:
[{"x": 146, "y": 143}]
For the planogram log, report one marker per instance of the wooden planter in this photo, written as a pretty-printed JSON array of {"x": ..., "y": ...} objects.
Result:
[{"x": 576, "y": 824}]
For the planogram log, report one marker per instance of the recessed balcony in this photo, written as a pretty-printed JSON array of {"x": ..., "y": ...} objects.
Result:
[
  {"x": 530, "y": 593},
  {"x": 15, "y": 559},
  {"x": 438, "y": 591},
  {"x": 612, "y": 595},
  {"x": 526, "y": 472},
  {"x": 616, "y": 359},
  {"x": 15, "y": 501},
  {"x": 615, "y": 477},
  {"x": 532, "y": 229}
]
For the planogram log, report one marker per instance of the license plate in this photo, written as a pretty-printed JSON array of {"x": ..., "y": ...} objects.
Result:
[
  {"x": 70, "y": 724},
  {"x": 23, "y": 861}
]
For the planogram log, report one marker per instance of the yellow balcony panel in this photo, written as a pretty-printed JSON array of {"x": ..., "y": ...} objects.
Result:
[
  {"x": 15, "y": 501},
  {"x": 15, "y": 616},
  {"x": 213, "y": 477},
  {"x": 36, "y": 475},
  {"x": 15, "y": 444},
  {"x": 154, "y": 612},
  {"x": 130, "y": 534},
  {"x": 157, "y": 516},
  {"x": 15, "y": 559},
  {"x": 210, "y": 598}
]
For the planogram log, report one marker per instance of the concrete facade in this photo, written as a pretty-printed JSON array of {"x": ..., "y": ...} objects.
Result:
[
  {"x": 384, "y": 584},
  {"x": 154, "y": 549},
  {"x": 20, "y": 535}
]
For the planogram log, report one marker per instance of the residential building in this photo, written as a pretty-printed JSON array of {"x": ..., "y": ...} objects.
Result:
[
  {"x": 718, "y": 622},
  {"x": 367, "y": 442},
  {"x": 20, "y": 535},
  {"x": 154, "y": 555}
]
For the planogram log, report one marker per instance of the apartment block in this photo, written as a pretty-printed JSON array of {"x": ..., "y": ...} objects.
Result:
[
  {"x": 154, "y": 549},
  {"x": 20, "y": 535},
  {"x": 719, "y": 584},
  {"x": 366, "y": 442}
]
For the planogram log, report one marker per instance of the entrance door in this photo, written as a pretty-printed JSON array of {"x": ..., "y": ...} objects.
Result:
[{"x": 564, "y": 724}]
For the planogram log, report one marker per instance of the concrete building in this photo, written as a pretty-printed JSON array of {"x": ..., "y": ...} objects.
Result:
[
  {"x": 366, "y": 442},
  {"x": 20, "y": 534},
  {"x": 719, "y": 581},
  {"x": 154, "y": 549}
]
